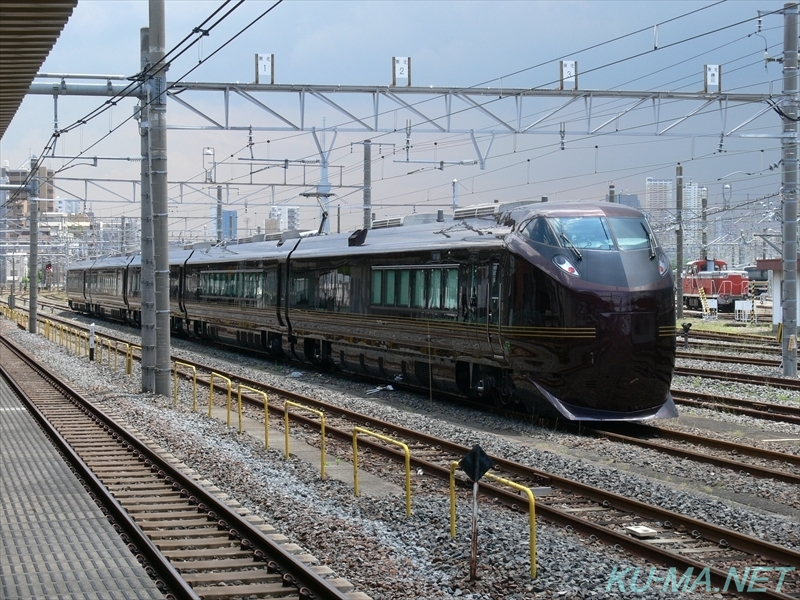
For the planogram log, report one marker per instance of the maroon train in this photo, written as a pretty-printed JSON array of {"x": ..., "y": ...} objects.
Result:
[{"x": 566, "y": 309}]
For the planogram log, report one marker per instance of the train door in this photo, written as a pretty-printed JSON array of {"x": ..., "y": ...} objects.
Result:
[
  {"x": 493, "y": 306},
  {"x": 182, "y": 289},
  {"x": 482, "y": 283}
]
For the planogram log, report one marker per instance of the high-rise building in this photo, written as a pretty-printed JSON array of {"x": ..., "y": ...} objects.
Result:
[
  {"x": 658, "y": 195},
  {"x": 631, "y": 200},
  {"x": 230, "y": 225},
  {"x": 18, "y": 208},
  {"x": 68, "y": 207},
  {"x": 285, "y": 217},
  {"x": 692, "y": 220}
]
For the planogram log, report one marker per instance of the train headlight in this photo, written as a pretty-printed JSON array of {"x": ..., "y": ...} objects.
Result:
[
  {"x": 663, "y": 265},
  {"x": 563, "y": 263}
]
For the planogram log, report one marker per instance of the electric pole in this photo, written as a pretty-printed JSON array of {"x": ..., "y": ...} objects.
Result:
[
  {"x": 158, "y": 180},
  {"x": 33, "y": 257},
  {"x": 147, "y": 287},
  {"x": 367, "y": 184},
  {"x": 789, "y": 151},
  {"x": 679, "y": 240}
]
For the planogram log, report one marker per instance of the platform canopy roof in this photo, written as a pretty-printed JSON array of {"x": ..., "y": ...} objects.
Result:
[{"x": 28, "y": 31}]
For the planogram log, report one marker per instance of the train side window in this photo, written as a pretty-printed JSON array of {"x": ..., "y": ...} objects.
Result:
[
  {"x": 271, "y": 288},
  {"x": 418, "y": 288},
  {"x": 300, "y": 291},
  {"x": 377, "y": 286},
  {"x": 539, "y": 231},
  {"x": 450, "y": 289},
  {"x": 402, "y": 284},
  {"x": 389, "y": 293},
  {"x": 435, "y": 289}
]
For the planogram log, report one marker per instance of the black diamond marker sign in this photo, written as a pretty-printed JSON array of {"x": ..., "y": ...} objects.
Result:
[{"x": 476, "y": 463}]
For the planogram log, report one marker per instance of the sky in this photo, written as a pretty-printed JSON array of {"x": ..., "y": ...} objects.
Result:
[{"x": 630, "y": 46}]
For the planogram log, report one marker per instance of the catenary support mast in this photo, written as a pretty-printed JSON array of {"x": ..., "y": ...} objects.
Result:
[
  {"x": 679, "y": 239},
  {"x": 147, "y": 288},
  {"x": 33, "y": 258},
  {"x": 158, "y": 180},
  {"x": 789, "y": 148}
]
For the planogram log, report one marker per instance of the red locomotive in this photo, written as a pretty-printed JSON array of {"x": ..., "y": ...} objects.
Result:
[{"x": 716, "y": 282}]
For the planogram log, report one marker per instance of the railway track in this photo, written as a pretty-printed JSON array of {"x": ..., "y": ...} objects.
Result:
[
  {"x": 679, "y": 541},
  {"x": 197, "y": 545},
  {"x": 739, "y": 360},
  {"x": 681, "y": 445},
  {"x": 776, "y": 382},
  {"x": 770, "y": 411},
  {"x": 721, "y": 453}
]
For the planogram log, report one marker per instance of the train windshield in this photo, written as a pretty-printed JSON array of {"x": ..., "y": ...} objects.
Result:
[
  {"x": 571, "y": 232},
  {"x": 631, "y": 233}
]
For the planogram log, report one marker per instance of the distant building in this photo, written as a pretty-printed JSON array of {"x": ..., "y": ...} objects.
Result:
[
  {"x": 69, "y": 207},
  {"x": 693, "y": 219},
  {"x": 17, "y": 208},
  {"x": 230, "y": 225},
  {"x": 631, "y": 200},
  {"x": 285, "y": 217},
  {"x": 658, "y": 195}
]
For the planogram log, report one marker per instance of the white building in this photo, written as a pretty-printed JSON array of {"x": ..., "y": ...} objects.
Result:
[
  {"x": 285, "y": 217},
  {"x": 658, "y": 195}
]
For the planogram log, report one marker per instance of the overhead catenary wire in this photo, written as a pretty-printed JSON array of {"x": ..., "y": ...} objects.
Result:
[
  {"x": 617, "y": 38},
  {"x": 197, "y": 30}
]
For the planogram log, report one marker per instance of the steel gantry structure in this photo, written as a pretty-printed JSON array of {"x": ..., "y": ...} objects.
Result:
[{"x": 435, "y": 110}]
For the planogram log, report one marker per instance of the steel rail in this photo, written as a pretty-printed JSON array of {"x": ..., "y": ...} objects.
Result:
[
  {"x": 755, "y": 470},
  {"x": 248, "y": 534},
  {"x": 761, "y": 362},
  {"x": 709, "y": 532},
  {"x": 778, "y": 382},
  {"x": 759, "y": 410},
  {"x": 170, "y": 578},
  {"x": 712, "y": 533}
]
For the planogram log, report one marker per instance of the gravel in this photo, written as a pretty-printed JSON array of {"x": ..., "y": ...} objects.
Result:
[{"x": 370, "y": 542}]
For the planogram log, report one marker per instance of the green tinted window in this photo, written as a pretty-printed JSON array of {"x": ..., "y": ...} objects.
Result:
[
  {"x": 377, "y": 286},
  {"x": 435, "y": 289},
  {"x": 388, "y": 297},
  {"x": 402, "y": 287},
  {"x": 418, "y": 289},
  {"x": 450, "y": 289}
]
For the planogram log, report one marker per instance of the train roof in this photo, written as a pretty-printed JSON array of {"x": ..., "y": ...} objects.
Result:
[{"x": 474, "y": 227}]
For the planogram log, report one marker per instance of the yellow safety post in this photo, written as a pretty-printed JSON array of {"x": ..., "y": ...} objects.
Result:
[
  {"x": 116, "y": 353},
  {"x": 100, "y": 341},
  {"x": 47, "y": 329},
  {"x": 129, "y": 358},
  {"x": 531, "y": 515},
  {"x": 266, "y": 411},
  {"x": 321, "y": 415},
  {"x": 194, "y": 384},
  {"x": 356, "y": 431},
  {"x": 453, "y": 466},
  {"x": 211, "y": 394}
]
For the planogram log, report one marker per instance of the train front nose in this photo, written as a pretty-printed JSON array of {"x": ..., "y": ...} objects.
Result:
[{"x": 636, "y": 356}]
